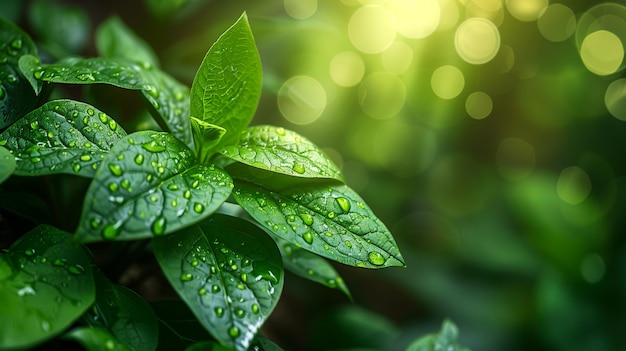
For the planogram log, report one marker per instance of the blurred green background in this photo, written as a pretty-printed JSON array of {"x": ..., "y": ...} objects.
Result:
[{"x": 487, "y": 134}]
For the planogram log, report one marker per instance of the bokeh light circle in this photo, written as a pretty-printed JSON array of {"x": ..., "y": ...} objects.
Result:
[
  {"x": 593, "y": 268},
  {"x": 301, "y": 100},
  {"x": 347, "y": 69},
  {"x": 557, "y": 23},
  {"x": 573, "y": 185},
  {"x": 478, "y": 105},
  {"x": 397, "y": 58},
  {"x": 477, "y": 40},
  {"x": 615, "y": 99},
  {"x": 602, "y": 52},
  {"x": 515, "y": 159},
  {"x": 382, "y": 95},
  {"x": 447, "y": 82},
  {"x": 526, "y": 10},
  {"x": 300, "y": 9},
  {"x": 371, "y": 29},
  {"x": 416, "y": 19}
]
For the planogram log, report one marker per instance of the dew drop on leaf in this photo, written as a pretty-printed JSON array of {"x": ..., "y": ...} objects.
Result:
[
  {"x": 255, "y": 308},
  {"x": 308, "y": 237},
  {"x": 298, "y": 168},
  {"x": 139, "y": 159},
  {"x": 306, "y": 218},
  {"x": 158, "y": 226},
  {"x": 115, "y": 169},
  {"x": 185, "y": 277},
  {"x": 153, "y": 146},
  {"x": 202, "y": 292},
  {"x": 376, "y": 258},
  {"x": 219, "y": 312},
  {"x": 111, "y": 231},
  {"x": 85, "y": 158},
  {"x": 331, "y": 214},
  {"x": 240, "y": 313},
  {"x": 343, "y": 203},
  {"x": 234, "y": 332},
  {"x": 29, "y": 252},
  {"x": 215, "y": 289}
]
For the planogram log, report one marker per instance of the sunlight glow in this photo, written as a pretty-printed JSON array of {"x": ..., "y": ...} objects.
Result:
[
  {"x": 447, "y": 82},
  {"x": 557, "y": 23},
  {"x": 416, "y": 19},
  {"x": 382, "y": 95},
  {"x": 526, "y": 10},
  {"x": 301, "y": 100},
  {"x": 300, "y": 9},
  {"x": 602, "y": 52},
  {"x": 478, "y": 105},
  {"x": 371, "y": 29},
  {"x": 477, "y": 40},
  {"x": 397, "y": 59},
  {"x": 347, "y": 69}
]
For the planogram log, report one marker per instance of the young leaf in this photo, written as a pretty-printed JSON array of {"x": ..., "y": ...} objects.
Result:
[
  {"x": 168, "y": 98},
  {"x": 310, "y": 266},
  {"x": 16, "y": 96},
  {"x": 227, "y": 86},
  {"x": 62, "y": 136},
  {"x": 125, "y": 314},
  {"x": 149, "y": 184},
  {"x": 46, "y": 283},
  {"x": 279, "y": 150},
  {"x": 115, "y": 39},
  {"x": 446, "y": 339},
  {"x": 7, "y": 164},
  {"x": 228, "y": 271},
  {"x": 329, "y": 220},
  {"x": 206, "y": 136},
  {"x": 96, "y": 339}
]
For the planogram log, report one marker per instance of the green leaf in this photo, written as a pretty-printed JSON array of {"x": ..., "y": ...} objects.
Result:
[
  {"x": 446, "y": 339},
  {"x": 7, "y": 164},
  {"x": 164, "y": 7},
  {"x": 62, "y": 136},
  {"x": 227, "y": 86},
  {"x": 149, "y": 184},
  {"x": 61, "y": 30},
  {"x": 207, "y": 346},
  {"x": 125, "y": 314},
  {"x": 262, "y": 344},
  {"x": 114, "y": 39},
  {"x": 206, "y": 137},
  {"x": 167, "y": 98},
  {"x": 228, "y": 271},
  {"x": 46, "y": 283},
  {"x": 310, "y": 266},
  {"x": 16, "y": 96},
  {"x": 279, "y": 150},
  {"x": 329, "y": 220},
  {"x": 96, "y": 339}
]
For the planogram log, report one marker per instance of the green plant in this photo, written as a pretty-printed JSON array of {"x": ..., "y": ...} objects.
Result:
[{"x": 184, "y": 193}]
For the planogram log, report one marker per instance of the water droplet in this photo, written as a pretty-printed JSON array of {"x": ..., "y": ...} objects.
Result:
[
  {"x": 139, "y": 159},
  {"x": 202, "y": 291},
  {"x": 120, "y": 157},
  {"x": 85, "y": 158},
  {"x": 298, "y": 168},
  {"x": 115, "y": 169},
  {"x": 152, "y": 91},
  {"x": 29, "y": 252},
  {"x": 280, "y": 131},
  {"x": 376, "y": 258},
  {"x": 198, "y": 207},
  {"x": 234, "y": 332},
  {"x": 239, "y": 312},
  {"x": 113, "y": 187},
  {"x": 255, "y": 308},
  {"x": 174, "y": 203},
  {"x": 172, "y": 187},
  {"x": 17, "y": 43},
  {"x": 38, "y": 74},
  {"x": 76, "y": 269},
  {"x": 112, "y": 124},
  {"x": 109, "y": 344},
  {"x": 90, "y": 111},
  {"x": 35, "y": 159},
  {"x": 187, "y": 194},
  {"x": 76, "y": 168},
  {"x": 125, "y": 183},
  {"x": 158, "y": 226},
  {"x": 186, "y": 277},
  {"x": 178, "y": 96},
  {"x": 219, "y": 312},
  {"x": 153, "y": 146},
  {"x": 331, "y": 214},
  {"x": 343, "y": 203},
  {"x": 86, "y": 76},
  {"x": 103, "y": 118},
  {"x": 112, "y": 231},
  {"x": 306, "y": 218},
  {"x": 34, "y": 125},
  {"x": 215, "y": 289},
  {"x": 308, "y": 237},
  {"x": 195, "y": 263},
  {"x": 95, "y": 223},
  {"x": 348, "y": 243}
]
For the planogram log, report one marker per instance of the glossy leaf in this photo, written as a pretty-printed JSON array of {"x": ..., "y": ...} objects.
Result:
[
  {"x": 279, "y": 150},
  {"x": 96, "y": 339},
  {"x": 7, "y": 164},
  {"x": 262, "y": 344},
  {"x": 310, "y": 266},
  {"x": 206, "y": 137},
  {"x": 446, "y": 339},
  {"x": 227, "y": 86},
  {"x": 149, "y": 184},
  {"x": 16, "y": 95},
  {"x": 124, "y": 314},
  {"x": 228, "y": 271},
  {"x": 46, "y": 283},
  {"x": 45, "y": 19},
  {"x": 114, "y": 39},
  {"x": 329, "y": 220},
  {"x": 167, "y": 98},
  {"x": 62, "y": 136}
]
